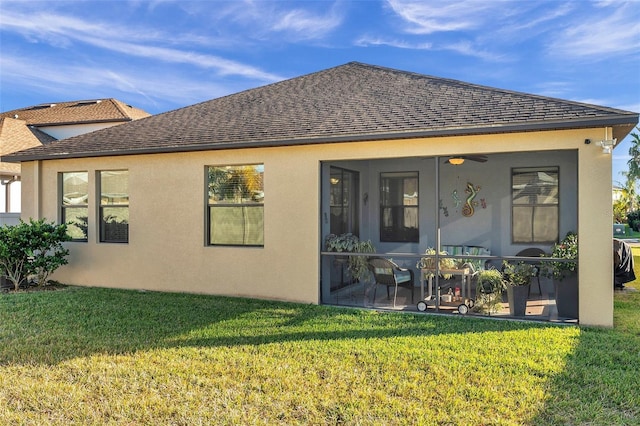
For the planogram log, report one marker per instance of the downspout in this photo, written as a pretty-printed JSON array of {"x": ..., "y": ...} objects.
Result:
[
  {"x": 38, "y": 184},
  {"x": 437, "y": 206}
]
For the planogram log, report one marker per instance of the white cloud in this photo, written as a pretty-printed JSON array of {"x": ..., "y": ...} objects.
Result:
[
  {"x": 44, "y": 25},
  {"x": 470, "y": 28},
  {"x": 442, "y": 15},
  {"x": 526, "y": 20},
  {"x": 469, "y": 48},
  {"x": 258, "y": 21},
  {"x": 466, "y": 48},
  {"x": 64, "y": 31},
  {"x": 611, "y": 30},
  {"x": 635, "y": 107},
  {"x": 306, "y": 25},
  {"x": 365, "y": 41},
  {"x": 222, "y": 65},
  {"x": 146, "y": 87}
]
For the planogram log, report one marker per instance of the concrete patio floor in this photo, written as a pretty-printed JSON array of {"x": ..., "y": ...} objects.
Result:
[{"x": 540, "y": 307}]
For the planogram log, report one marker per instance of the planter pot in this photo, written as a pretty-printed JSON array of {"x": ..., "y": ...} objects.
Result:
[
  {"x": 517, "y": 298},
  {"x": 566, "y": 291}
]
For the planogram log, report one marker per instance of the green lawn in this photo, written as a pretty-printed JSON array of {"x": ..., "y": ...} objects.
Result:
[{"x": 98, "y": 356}]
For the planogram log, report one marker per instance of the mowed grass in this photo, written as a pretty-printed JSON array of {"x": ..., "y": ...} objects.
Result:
[{"x": 89, "y": 356}]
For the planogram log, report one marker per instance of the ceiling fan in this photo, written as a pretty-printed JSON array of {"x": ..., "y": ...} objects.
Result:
[{"x": 456, "y": 160}]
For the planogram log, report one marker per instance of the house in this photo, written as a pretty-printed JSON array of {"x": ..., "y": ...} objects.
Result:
[
  {"x": 41, "y": 124},
  {"x": 235, "y": 196},
  {"x": 15, "y": 135}
]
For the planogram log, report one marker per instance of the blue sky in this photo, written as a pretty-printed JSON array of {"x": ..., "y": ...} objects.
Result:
[{"x": 162, "y": 55}]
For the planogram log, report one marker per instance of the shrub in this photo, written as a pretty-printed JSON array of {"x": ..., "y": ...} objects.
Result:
[
  {"x": 633, "y": 219},
  {"x": 489, "y": 287},
  {"x": 565, "y": 249},
  {"x": 32, "y": 249}
]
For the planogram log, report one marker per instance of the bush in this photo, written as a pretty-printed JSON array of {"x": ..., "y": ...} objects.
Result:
[
  {"x": 633, "y": 219},
  {"x": 32, "y": 250},
  {"x": 489, "y": 287}
]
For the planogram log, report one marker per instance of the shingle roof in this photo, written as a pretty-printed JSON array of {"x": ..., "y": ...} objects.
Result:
[
  {"x": 15, "y": 135},
  {"x": 77, "y": 112},
  {"x": 352, "y": 102}
]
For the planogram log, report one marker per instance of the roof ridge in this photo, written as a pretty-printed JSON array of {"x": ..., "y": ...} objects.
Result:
[
  {"x": 116, "y": 103},
  {"x": 488, "y": 88}
]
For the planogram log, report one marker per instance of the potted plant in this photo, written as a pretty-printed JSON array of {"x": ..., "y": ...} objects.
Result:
[
  {"x": 350, "y": 243},
  {"x": 517, "y": 278},
  {"x": 358, "y": 265},
  {"x": 489, "y": 287},
  {"x": 429, "y": 262},
  {"x": 565, "y": 275},
  {"x": 339, "y": 243}
]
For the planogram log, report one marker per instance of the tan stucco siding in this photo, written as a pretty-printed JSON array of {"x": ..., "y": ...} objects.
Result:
[
  {"x": 167, "y": 251},
  {"x": 595, "y": 218}
]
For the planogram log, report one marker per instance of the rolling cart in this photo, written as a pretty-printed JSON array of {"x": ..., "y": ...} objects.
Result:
[{"x": 463, "y": 301}]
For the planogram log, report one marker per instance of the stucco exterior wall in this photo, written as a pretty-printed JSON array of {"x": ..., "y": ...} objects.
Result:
[
  {"x": 167, "y": 251},
  {"x": 69, "y": 130}
]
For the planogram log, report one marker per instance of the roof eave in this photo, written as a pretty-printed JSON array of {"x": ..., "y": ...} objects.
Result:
[
  {"x": 71, "y": 123},
  {"x": 629, "y": 120}
]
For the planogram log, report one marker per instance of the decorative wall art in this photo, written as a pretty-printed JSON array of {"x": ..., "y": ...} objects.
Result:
[
  {"x": 469, "y": 206},
  {"x": 444, "y": 209},
  {"x": 456, "y": 200}
]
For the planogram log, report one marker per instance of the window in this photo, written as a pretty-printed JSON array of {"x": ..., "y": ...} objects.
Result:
[
  {"x": 114, "y": 206},
  {"x": 74, "y": 207},
  {"x": 399, "y": 207},
  {"x": 534, "y": 201},
  {"x": 235, "y": 205},
  {"x": 344, "y": 201}
]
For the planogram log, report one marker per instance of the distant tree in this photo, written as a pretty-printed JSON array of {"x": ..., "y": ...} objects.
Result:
[
  {"x": 235, "y": 183},
  {"x": 619, "y": 211},
  {"x": 628, "y": 199},
  {"x": 634, "y": 161}
]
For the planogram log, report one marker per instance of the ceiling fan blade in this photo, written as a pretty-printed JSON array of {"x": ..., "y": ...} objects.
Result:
[{"x": 478, "y": 158}]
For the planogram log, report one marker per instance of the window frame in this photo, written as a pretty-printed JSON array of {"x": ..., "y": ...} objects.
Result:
[
  {"x": 533, "y": 240},
  {"x": 413, "y": 237},
  {"x": 102, "y": 238},
  {"x": 62, "y": 207},
  {"x": 211, "y": 206}
]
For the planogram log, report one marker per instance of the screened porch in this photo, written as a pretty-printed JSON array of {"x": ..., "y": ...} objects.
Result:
[{"x": 476, "y": 210}]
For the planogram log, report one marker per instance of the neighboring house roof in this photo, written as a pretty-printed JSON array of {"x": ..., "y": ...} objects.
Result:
[
  {"x": 352, "y": 102},
  {"x": 15, "y": 135},
  {"x": 77, "y": 112}
]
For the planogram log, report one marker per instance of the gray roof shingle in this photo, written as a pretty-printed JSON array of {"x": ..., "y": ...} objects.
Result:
[{"x": 352, "y": 102}]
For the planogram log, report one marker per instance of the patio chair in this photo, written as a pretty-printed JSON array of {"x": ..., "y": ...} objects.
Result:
[
  {"x": 387, "y": 273},
  {"x": 533, "y": 252}
]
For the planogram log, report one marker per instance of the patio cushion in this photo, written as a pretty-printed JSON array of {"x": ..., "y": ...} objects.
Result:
[
  {"x": 403, "y": 276},
  {"x": 459, "y": 250},
  {"x": 383, "y": 271}
]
